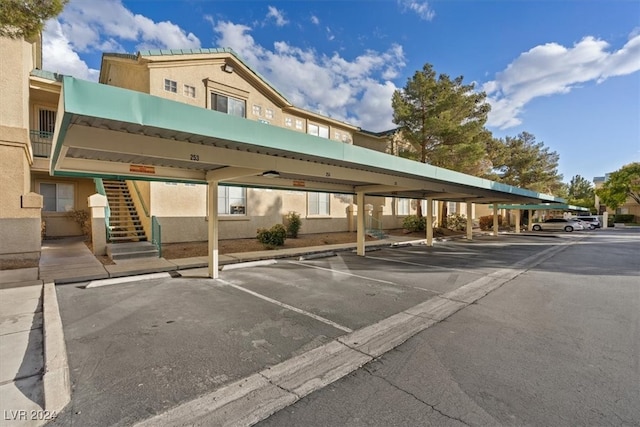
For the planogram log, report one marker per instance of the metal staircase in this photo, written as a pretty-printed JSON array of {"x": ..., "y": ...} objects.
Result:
[{"x": 127, "y": 238}]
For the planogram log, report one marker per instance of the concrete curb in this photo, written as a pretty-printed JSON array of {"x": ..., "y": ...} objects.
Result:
[
  {"x": 56, "y": 383},
  {"x": 126, "y": 279}
]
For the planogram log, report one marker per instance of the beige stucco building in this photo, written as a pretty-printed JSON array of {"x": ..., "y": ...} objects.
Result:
[{"x": 36, "y": 205}]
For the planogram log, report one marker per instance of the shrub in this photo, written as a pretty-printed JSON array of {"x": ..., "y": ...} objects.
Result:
[
  {"x": 273, "y": 237},
  {"x": 486, "y": 222},
  {"x": 457, "y": 222},
  {"x": 623, "y": 218},
  {"x": 293, "y": 224},
  {"x": 82, "y": 218},
  {"x": 413, "y": 223}
]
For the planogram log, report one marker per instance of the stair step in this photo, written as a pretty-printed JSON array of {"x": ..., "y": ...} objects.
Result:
[
  {"x": 131, "y": 250},
  {"x": 128, "y": 239}
]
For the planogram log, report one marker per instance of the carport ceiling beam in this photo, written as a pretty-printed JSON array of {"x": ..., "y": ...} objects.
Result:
[
  {"x": 373, "y": 189},
  {"x": 228, "y": 173}
]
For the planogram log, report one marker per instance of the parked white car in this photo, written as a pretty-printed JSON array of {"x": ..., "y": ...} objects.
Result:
[
  {"x": 558, "y": 224},
  {"x": 594, "y": 221}
]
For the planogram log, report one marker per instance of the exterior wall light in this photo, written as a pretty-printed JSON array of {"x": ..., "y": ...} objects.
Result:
[
  {"x": 227, "y": 68},
  {"x": 271, "y": 174}
]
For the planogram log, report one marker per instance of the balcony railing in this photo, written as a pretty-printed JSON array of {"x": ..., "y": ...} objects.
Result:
[{"x": 41, "y": 143}]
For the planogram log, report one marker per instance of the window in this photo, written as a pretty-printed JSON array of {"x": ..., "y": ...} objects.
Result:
[
  {"x": 451, "y": 208},
  {"x": 170, "y": 85},
  {"x": 46, "y": 120},
  {"x": 257, "y": 110},
  {"x": 57, "y": 197},
  {"x": 268, "y": 113},
  {"x": 225, "y": 104},
  {"x": 189, "y": 91},
  {"x": 288, "y": 121},
  {"x": 318, "y": 203},
  {"x": 318, "y": 130},
  {"x": 232, "y": 200},
  {"x": 299, "y": 124},
  {"x": 403, "y": 206},
  {"x": 434, "y": 206}
]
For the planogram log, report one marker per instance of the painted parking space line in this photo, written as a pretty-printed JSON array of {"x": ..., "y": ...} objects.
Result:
[
  {"x": 287, "y": 306},
  {"x": 417, "y": 264},
  {"x": 371, "y": 279}
]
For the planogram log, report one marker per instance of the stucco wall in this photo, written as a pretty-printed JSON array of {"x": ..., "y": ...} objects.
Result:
[
  {"x": 15, "y": 66},
  {"x": 57, "y": 223}
]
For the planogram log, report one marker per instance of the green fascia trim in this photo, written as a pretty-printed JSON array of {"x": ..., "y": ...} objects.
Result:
[
  {"x": 89, "y": 99},
  {"x": 561, "y": 206},
  {"x": 49, "y": 75},
  {"x": 61, "y": 131},
  {"x": 120, "y": 55}
]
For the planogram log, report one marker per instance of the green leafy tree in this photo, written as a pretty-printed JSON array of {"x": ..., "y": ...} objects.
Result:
[
  {"x": 621, "y": 185},
  {"x": 580, "y": 192},
  {"x": 523, "y": 162},
  {"x": 26, "y": 18},
  {"x": 441, "y": 121}
]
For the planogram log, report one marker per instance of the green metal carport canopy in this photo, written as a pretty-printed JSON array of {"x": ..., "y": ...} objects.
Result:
[{"x": 109, "y": 132}]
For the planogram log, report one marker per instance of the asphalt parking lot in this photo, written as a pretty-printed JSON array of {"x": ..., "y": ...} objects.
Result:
[{"x": 141, "y": 348}]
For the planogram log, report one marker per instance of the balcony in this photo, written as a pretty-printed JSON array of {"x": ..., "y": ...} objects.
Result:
[{"x": 41, "y": 143}]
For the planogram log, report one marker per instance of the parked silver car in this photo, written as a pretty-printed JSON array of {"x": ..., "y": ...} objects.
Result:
[
  {"x": 560, "y": 224},
  {"x": 594, "y": 221}
]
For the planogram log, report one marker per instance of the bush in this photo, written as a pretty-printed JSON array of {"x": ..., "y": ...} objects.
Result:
[
  {"x": 413, "y": 223},
  {"x": 293, "y": 224},
  {"x": 273, "y": 237},
  {"x": 486, "y": 222},
  {"x": 457, "y": 222},
  {"x": 82, "y": 218},
  {"x": 623, "y": 218}
]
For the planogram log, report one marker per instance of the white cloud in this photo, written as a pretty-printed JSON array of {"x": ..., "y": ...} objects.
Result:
[
  {"x": 421, "y": 8},
  {"x": 278, "y": 16},
  {"x": 315, "y": 20},
  {"x": 60, "y": 56},
  {"x": 97, "y": 26},
  {"x": 554, "y": 69},
  {"x": 357, "y": 91}
]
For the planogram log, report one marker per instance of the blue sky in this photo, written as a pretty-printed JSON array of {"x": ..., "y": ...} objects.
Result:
[{"x": 567, "y": 71}]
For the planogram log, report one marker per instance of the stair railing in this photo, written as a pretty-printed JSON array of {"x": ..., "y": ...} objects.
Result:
[
  {"x": 156, "y": 234},
  {"x": 149, "y": 221},
  {"x": 107, "y": 211},
  {"x": 374, "y": 227}
]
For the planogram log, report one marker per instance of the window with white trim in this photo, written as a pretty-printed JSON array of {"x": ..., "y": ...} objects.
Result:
[
  {"x": 451, "y": 208},
  {"x": 189, "y": 91},
  {"x": 232, "y": 200},
  {"x": 288, "y": 122},
  {"x": 434, "y": 205},
  {"x": 268, "y": 113},
  {"x": 299, "y": 124},
  {"x": 318, "y": 130},
  {"x": 257, "y": 110},
  {"x": 403, "y": 206},
  {"x": 227, "y": 104},
  {"x": 318, "y": 203},
  {"x": 170, "y": 85},
  {"x": 57, "y": 196}
]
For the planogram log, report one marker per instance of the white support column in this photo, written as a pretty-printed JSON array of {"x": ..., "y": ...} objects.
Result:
[
  {"x": 495, "y": 219},
  {"x": 429, "y": 221},
  {"x": 469, "y": 220},
  {"x": 530, "y": 222},
  {"x": 518, "y": 221},
  {"x": 212, "y": 188},
  {"x": 360, "y": 223}
]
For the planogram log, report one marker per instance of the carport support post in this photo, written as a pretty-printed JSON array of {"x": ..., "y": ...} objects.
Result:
[
  {"x": 530, "y": 220},
  {"x": 429, "y": 221},
  {"x": 469, "y": 220},
  {"x": 360, "y": 223},
  {"x": 213, "y": 229},
  {"x": 495, "y": 219},
  {"x": 518, "y": 221}
]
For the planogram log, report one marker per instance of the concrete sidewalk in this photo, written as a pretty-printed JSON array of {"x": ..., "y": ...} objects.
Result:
[{"x": 70, "y": 260}]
